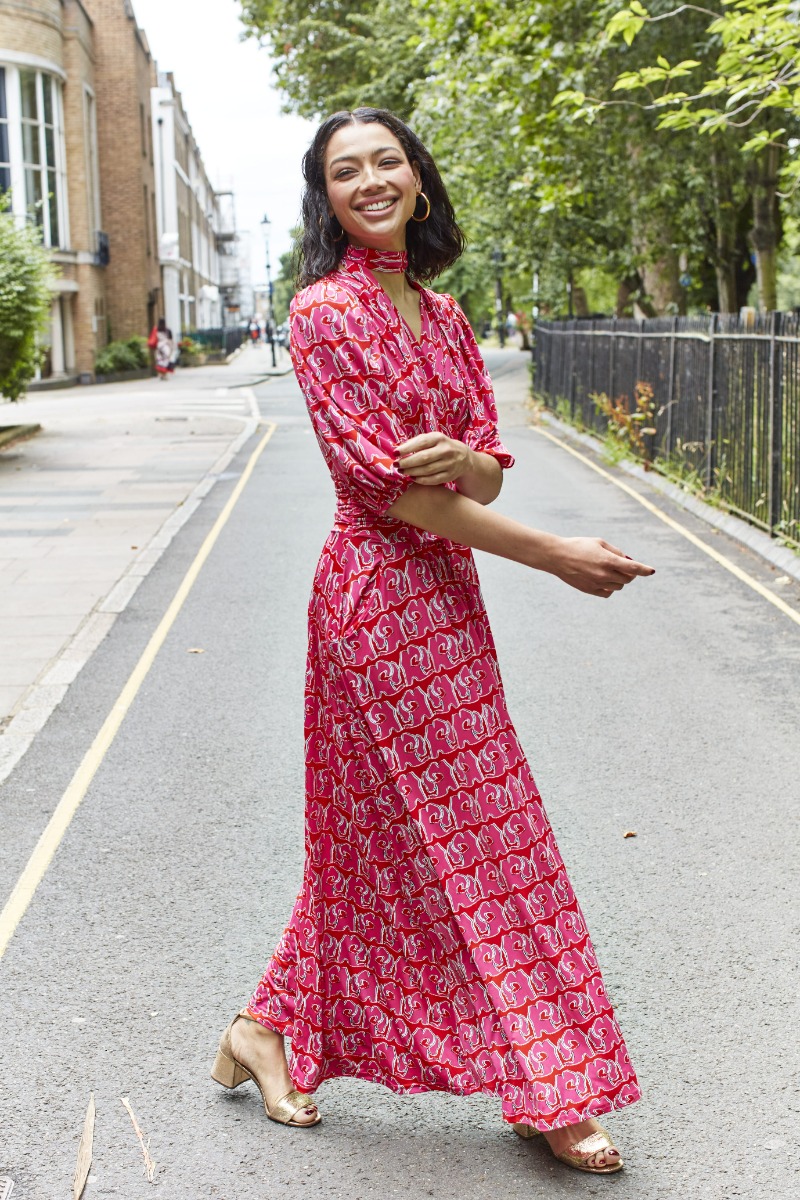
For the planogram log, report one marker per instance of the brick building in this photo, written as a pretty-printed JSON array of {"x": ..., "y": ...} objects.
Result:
[
  {"x": 96, "y": 147},
  {"x": 124, "y": 75},
  {"x": 49, "y": 160}
]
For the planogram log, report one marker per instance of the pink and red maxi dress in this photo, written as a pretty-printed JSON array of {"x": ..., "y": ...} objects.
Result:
[{"x": 436, "y": 943}]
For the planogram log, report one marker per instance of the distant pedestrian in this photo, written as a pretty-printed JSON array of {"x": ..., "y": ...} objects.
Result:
[
  {"x": 163, "y": 347},
  {"x": 436, "y": 943},
  {"x": 255, "y": 332}
]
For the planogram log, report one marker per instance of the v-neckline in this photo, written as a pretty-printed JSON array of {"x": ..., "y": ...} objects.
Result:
[{"x": 416, "y": 341}]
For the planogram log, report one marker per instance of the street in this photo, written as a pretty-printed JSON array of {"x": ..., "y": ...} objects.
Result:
[{"x": 670, "y": 710}]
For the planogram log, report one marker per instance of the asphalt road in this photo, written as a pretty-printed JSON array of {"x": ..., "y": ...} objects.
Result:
[{"x": 672, "y": 710}]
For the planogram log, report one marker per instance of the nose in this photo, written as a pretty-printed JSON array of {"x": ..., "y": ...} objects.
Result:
[{"x": 372, "y": 177}]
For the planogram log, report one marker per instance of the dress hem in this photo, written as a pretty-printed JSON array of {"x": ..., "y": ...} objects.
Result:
[{"x": 595, "y": 1106}]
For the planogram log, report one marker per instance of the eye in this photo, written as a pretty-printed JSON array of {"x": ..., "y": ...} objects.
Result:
[
  {"x": 345, "y": 171},
  {"x": 390, "y": 162}
]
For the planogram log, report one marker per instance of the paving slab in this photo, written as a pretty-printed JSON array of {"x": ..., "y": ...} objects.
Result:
[{"x": 89, "y": 505}]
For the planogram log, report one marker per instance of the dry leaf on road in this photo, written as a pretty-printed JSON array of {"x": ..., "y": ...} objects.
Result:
[
  {"x": 84, "y": 1162},
  {"x": 195, "y": 650},
  {"x": 629, "y": 833},
  {"x": 149, "y": 1165}
]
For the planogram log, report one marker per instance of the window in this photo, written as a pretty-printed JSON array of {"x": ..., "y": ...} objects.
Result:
[
  {"x": 5, "y": 154},
  {"x": 147, "y": 222},
  {"x": 42, "y": 152}
]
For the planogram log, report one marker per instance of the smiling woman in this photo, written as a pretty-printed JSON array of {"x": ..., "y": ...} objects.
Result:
[
  {"x": 436, "y": 944},
  {"x": 353, "y": 164}
]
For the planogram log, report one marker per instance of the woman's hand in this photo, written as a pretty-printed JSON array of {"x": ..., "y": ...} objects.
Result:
[
  {"x": 594, "y": 566},
  {"x": 433, "y": 458}
]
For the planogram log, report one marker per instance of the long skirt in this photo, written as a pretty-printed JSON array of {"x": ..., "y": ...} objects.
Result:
[{"x": 436, "y": 944}]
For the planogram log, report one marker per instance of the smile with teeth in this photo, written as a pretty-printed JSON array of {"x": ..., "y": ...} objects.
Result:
[{"x": 377, "y": 205}]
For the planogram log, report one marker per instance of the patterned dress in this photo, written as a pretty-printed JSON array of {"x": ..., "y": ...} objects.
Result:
[{"x": 436, "y": 943}]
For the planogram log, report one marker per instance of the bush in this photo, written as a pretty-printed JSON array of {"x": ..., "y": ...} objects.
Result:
[
  {"x": 25, "y": 299},
  {"x": 190, "y": 349},
  {"x": 132, "y": 355}
]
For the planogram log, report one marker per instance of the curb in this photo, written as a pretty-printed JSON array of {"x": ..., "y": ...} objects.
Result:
[
  {"x": 762, "y": 544},
  {"x": 17, "y": 433},
  {"x": 50, "y": 689}
]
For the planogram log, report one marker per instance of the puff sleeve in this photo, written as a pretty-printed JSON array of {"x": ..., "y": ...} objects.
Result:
[
  {"x": 481, "y": 431},
  {"x": 340, "y": 374}
]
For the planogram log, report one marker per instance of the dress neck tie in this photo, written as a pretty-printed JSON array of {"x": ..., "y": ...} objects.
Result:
[{"x": 376, "y": 260}]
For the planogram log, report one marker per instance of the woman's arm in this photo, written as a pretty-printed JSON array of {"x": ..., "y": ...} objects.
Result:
[
  {"x": 588, "y": 564},
  {"x": 431, "y": 459}
]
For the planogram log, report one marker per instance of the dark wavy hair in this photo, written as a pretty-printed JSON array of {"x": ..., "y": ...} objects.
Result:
[{"x": 432, "y": 245}]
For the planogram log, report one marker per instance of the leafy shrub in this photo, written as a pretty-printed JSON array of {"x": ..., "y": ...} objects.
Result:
[
  {"x": 131, "y": 355},
  {"x": 636, "y": 428},
  {"x": 25, "y": 299},
  {"x": 190, "y": 349}
]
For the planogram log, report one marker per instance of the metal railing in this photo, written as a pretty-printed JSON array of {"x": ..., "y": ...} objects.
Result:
[
  {"x": 726, "y": 392},
  {"x": 223, "y": 340}
]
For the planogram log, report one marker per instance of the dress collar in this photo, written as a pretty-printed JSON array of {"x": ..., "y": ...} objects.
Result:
[{"x": 375, "y": 260}]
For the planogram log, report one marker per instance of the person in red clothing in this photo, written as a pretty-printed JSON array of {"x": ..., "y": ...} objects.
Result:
[
  {"x": 436, "y": 943},
  {"x": 163, "y": 347}
]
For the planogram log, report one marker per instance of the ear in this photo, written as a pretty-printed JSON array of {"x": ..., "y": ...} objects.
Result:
[{"x": 417, "y": 176}]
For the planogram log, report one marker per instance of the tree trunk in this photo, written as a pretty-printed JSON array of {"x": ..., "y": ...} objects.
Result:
[
  {"x": 625, "y": 290},
  {"x": 579, "y": 302},
  {"x": 765, "y": 234},
  {"x": 660, "y": 280},
  {"x": 724, "y": 228}
]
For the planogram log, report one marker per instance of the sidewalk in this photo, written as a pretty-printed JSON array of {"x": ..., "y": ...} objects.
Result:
[{"x": 88, "y": 506}]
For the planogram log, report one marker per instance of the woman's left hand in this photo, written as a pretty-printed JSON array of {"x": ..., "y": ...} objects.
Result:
[{"x": 433, "y": 458}]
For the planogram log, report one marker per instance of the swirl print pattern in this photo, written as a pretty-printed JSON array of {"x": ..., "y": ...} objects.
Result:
[{"x": 436, "y": 943}]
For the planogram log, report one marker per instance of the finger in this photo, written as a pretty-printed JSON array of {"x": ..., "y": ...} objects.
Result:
[
  {"x": 637, "y": 568},
  {"x": 629, "y": 564},
  {"x": 434, "y": 468},
  {"x": 422, "y": 458},
  {"x": 420, "y": 442},
  {"x": 434, "y": 480}
]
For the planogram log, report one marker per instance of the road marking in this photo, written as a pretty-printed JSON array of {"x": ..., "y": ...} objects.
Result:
[
  {"x": 751, "y": 582},
  {"x": 17, "y": 903}
]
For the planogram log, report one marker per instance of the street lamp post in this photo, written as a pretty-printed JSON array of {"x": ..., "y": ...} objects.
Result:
[
  {"x": 265, "y": 224},
  {"x": 497, "y": 259}
]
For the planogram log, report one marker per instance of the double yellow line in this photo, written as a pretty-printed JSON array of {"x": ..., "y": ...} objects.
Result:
[{"x": 57, "y": 826}]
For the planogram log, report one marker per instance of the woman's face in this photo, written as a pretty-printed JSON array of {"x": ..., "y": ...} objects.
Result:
[{"x": 372, "y": 187}]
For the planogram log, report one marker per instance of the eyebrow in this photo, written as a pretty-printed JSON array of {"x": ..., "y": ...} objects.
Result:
[{"x": 353, "y": 157}]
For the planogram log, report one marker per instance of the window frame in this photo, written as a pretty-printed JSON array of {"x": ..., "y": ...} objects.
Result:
[
  {"x": 45, "y": 74},
  {"x": 92, "y": 156}
]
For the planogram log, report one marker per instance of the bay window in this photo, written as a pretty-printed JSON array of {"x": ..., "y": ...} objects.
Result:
[{"x": 32, "y": 155}]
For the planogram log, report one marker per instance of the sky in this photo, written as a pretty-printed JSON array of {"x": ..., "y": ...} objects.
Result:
[{"x": 247, "y": 143}]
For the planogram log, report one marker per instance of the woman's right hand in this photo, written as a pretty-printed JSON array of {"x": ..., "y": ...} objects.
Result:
[{"x": 594, "y": 566}]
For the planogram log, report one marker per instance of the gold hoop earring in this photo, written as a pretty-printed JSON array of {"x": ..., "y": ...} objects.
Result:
[
  {"x": 419, "y": 220},
  {"x": 334, "y": 237}
]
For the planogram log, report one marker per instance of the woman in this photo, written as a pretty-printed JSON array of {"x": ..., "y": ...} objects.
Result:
[
  {"x": 436, "y": 943},
  {"x": 163, "y": 348}
]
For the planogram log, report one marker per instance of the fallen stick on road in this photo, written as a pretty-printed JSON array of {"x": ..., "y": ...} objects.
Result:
[
  {"x": 149, "y": 1165},
  {"x": 83, "y": 1165}
]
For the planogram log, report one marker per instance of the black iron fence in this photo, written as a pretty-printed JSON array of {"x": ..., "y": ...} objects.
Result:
[
  {"x": 726, "y": 399},
  {"x": 225, "y": 341}
]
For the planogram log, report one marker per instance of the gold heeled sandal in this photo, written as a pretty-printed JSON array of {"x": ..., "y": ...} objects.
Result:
[
  {"x": 580, "y": 1153},
  {"x": 230, "y": 1073}
]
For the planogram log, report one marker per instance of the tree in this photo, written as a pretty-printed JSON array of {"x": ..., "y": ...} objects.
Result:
[
  {"x": 746, "y": 88},
  {"x": 335, "y": 54},
  {"x": 25, "y": 299},
  {"x": 548, "y": 168}
]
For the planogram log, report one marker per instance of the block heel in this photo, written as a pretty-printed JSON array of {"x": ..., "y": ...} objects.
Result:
[{"x": 227, "y": 1072}]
